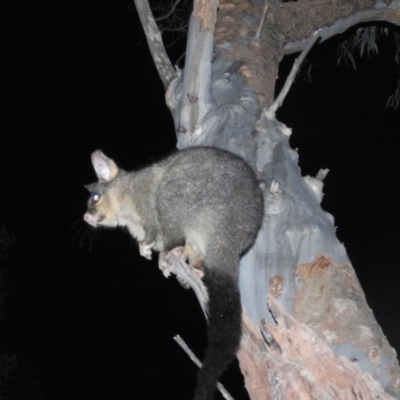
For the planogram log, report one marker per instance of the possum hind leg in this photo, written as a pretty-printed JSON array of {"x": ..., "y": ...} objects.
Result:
[{"x": 224, "y": 329}]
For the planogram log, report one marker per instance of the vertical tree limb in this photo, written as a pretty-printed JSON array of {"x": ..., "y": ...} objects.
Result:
[
  {"x": 197, "y": 98},
  {"x": 153, "y": 35}
]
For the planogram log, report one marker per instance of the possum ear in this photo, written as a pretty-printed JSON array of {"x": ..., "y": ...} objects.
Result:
[
  {"x": 90, "y": 187},
  {"x": 105, "y": 168}
]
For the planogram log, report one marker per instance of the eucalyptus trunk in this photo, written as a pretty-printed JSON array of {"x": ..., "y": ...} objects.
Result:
[{"x": 308, "y": 332}]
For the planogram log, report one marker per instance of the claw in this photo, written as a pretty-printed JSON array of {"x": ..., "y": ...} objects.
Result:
[
  {"x": 145, "y": 249},
  {"x": 166, "y": 273},
  {"x": 164, "y": 265}
]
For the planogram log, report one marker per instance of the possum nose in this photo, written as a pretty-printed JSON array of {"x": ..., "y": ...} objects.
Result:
[{"x": 89, "y": 218}]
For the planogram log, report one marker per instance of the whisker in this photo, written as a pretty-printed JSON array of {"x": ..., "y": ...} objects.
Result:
[{"x": 83, "y": 233}]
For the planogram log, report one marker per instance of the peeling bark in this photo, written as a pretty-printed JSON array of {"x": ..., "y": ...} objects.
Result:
[{"x": 206, "y": 11}]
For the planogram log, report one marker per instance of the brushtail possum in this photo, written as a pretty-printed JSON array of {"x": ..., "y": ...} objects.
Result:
[{"x": 203, "y": 200}]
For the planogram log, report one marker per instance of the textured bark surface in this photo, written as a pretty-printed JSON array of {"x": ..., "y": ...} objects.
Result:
[
  {"x": 312, "y": 353},
  {"x": 301, "y": 366},
  {"x": 308, "y": 330}
]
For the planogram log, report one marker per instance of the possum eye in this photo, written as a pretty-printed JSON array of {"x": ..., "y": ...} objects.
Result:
[{"x": 96, "y": 197}]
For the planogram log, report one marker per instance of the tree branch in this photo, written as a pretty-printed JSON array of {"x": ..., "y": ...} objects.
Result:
[
  {"x": 332, "y": 17},
  {"x": 193, "y": 357},
  {"x": 271, "y": 111},
  {"x": 161, "y": 60}
]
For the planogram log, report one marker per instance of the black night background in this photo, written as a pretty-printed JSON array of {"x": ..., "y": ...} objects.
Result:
[{"x": 86, "y": 317}]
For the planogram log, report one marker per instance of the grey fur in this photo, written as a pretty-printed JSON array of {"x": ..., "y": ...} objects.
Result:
[{"x": 204, "y": 199}]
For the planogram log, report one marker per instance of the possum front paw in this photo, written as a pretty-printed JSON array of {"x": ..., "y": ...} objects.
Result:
[
  {"x": 145, "y": 249},
  {"x": 167, "y": 260}
]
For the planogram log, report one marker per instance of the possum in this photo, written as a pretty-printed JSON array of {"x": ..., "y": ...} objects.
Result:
[{"x": 202, "y": 200}]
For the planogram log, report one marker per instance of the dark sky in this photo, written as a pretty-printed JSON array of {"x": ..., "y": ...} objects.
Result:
[{"x": 87, "y": 318}]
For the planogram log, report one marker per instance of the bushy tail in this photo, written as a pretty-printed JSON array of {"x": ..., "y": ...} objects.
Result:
[{"x": 224, "y": 330}]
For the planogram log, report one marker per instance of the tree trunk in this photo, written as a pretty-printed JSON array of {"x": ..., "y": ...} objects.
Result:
[{"x": 308, "y": 332}]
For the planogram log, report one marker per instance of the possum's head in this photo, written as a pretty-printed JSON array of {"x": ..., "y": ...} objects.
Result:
[{"x": 103, "y": 206}]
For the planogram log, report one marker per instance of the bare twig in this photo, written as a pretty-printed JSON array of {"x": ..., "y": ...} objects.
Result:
[
  {"x": 189, "y": 352},
  {"x": 169, "y": 13},
  {"x": 271, "y": 111},
  {"x": 256, "y": 38},
  {"x": 180, "y": 58},
  {"x": 193, "y": 357}
]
